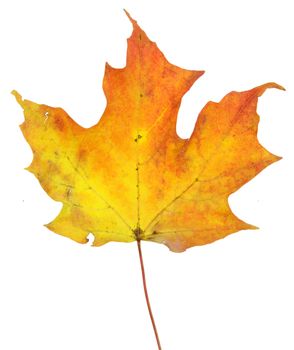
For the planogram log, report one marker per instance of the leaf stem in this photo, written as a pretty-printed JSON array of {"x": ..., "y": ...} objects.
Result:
[{"x": 146, "y": 294}]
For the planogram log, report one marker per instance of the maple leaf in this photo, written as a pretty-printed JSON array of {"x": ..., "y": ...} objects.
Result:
[{"x": 131, "y": 177}]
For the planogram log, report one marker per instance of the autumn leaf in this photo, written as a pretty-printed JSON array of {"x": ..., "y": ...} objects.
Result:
[{"x": 130, "y": 177}]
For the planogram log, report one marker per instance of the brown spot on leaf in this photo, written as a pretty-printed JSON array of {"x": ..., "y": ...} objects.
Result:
[
  {"x": 82, "y": 154},
  {"x": 59, "y": 123}
]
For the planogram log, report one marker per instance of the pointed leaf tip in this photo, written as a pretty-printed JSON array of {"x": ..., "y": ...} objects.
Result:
[
  {"x": 253, "y": 227},
  {"x": 273, "y": 85},
  {"x": 280, "y": 87},
  {"x": 134, "y": 22},
  {"x": 262, "y": 88},
  {"x": 17, "y": 96},
  {"x": 130, "y": 17}
]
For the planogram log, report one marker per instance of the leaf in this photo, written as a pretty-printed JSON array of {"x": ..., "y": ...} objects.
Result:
[{"x": 131, "y": 177}]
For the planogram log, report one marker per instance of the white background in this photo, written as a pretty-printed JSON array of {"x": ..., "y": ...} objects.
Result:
[{"x": 234, "y": 294}]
